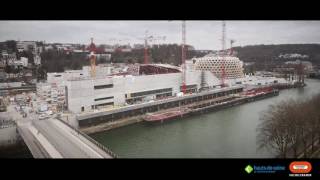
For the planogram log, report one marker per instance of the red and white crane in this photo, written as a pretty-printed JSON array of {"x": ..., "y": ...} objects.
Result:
[
  {"x": 183, "y": 57},
  {"x": 92, "y": 49},
  {"x": 223, "y": 71},
  {"x": 117, "y": 43},
  {"x": 231, "y": 43},
  {"x": 150, "y": 38}
]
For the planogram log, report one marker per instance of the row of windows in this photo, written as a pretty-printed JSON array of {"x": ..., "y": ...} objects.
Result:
[
  {"x": 104, "y": 98},
  {"x": 140, "y": 111},
  {"x": 105, "y": 104},
  {"x": 103, "y": 86},
  {"x": 144, "y": 93}
]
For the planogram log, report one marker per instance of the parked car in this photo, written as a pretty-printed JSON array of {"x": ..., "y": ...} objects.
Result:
[{"x": 42, "y": 117}]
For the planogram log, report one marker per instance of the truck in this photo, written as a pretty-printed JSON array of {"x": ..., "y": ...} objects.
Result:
[{"x": 3, "y": 107}]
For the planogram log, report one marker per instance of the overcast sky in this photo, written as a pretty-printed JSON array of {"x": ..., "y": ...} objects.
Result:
[{"x": 200, "y": 34}]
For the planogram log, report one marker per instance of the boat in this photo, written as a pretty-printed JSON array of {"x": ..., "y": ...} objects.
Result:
[{"x": 165, "y": 116}]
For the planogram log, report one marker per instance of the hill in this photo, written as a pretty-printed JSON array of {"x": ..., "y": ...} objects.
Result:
[{"x": 279, "y": 53}]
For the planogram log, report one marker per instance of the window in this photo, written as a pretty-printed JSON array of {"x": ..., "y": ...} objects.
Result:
[
  {"x": 145, "y": 93},
  {"x": 103, "y": 86},
  {"x": 104, "y": 98},
  {"x": 105, "y": 104}
]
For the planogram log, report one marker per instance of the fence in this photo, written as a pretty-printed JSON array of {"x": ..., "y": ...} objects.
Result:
[{"x": 108, "y": 151}]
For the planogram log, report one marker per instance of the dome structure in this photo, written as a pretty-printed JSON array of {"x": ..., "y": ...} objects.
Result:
[{"x": 214, "y": 63}]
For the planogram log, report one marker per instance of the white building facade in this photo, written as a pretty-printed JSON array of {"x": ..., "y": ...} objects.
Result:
[
  {"x": 92, "y": 93},
  {"x": 143, "y": 83}
]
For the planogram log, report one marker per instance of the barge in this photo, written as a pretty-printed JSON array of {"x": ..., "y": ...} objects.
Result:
[{"x": 211, "y": 105}]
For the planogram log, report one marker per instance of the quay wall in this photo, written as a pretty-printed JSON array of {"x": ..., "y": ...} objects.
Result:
[{"x": 141, "y": 109}]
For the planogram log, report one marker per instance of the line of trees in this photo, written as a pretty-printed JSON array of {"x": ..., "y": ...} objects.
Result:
[
  {"x": 291, "y": 127},
  {"x": 164, "y": 53},
  {"x": 55, "y": 61},
  {"x": 261, "y": 53}
]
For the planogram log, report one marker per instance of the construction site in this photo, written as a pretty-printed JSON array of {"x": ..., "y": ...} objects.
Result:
[{"x": 101, "y": 97}]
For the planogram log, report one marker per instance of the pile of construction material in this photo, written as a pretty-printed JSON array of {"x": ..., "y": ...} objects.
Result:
[{"x": 51, "y": 96}]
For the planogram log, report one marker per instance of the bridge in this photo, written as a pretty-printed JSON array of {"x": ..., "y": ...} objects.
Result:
[{"x": 54, "y": 138}]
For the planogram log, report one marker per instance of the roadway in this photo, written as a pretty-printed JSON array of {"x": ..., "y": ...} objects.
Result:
[
  {"x": 69, "y": 144},
  {"x": 51, "y": 138},
  {"x": 35, "y": 147}
]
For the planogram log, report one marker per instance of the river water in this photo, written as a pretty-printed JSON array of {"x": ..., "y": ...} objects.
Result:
[{"x": 229, "y": 133}]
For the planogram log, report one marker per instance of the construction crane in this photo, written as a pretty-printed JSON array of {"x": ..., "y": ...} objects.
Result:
[
  {"x": 231, "y": 43},
  {"x": 92, "y": 49},
  {"x": 149, "y": 38},
  {"x": 118, "y": 42},
  {"x": 300, "y": 73},
  {"x": 223, "y": 71},
  {"x": 183, "y": 57}
]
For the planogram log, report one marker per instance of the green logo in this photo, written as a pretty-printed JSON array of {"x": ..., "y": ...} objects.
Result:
[{"x": 248, "y": 169}]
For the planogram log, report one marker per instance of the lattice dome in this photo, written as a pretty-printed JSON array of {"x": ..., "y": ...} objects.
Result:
[{"x": 232, "y": 65}]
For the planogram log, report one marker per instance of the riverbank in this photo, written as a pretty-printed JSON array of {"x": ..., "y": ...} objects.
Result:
[
  {"x": 227, "y": 133},
  {"x": 111, "y": 125},
  {"x": 195, "y": 109}
]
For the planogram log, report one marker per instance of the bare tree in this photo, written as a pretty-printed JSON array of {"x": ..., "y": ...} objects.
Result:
[
  {"x": 291, "y": 127},
  {"x": 274, "y": 131}
]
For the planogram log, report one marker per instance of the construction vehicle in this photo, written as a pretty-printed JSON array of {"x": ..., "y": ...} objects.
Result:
[{"x": 3, "y": 107}]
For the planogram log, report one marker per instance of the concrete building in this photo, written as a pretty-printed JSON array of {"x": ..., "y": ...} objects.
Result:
[
  {"x": 27, "y": 46},
  {"x": 37, "y": 60},
  {"x": 13, "y": 61},
  {"x": 8, "y": 59},
  {"x": 61, "y": 78},
  {"x": 306, "y": 64},
  {"x": 4, "y": 54},
  {"x": 119, "y": 90},
  {"x": 48, "y": 47},
  {"x": 51, "y": 96},
  {"x": 123, "y": 85}
]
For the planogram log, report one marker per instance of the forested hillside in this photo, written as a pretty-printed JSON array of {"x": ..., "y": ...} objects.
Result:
[{"x": 269, "y": 53}]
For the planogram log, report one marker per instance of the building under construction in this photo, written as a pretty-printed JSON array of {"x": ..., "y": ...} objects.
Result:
[
  {"x": 104, "y": 89},
  {"x": 128, "y": 85}
]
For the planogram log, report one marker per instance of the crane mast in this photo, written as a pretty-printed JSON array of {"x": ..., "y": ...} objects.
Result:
[
  {"x": 146, "y": 59},
  {"x": 223, "y": 72},
  {"x": 183, "y": 57},
  {"x": 149, "y": 38},
  {"x": 92, "y": 49}
]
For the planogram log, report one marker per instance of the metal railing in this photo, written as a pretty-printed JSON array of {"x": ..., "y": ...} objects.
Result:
[{"x": 105, "y": 149}]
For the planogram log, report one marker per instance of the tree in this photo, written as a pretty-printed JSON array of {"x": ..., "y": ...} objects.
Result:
[
  {"x": 274, "y": 132},
  {"x": 11, "y": 45},
  {"x": 291, "y": 126}
]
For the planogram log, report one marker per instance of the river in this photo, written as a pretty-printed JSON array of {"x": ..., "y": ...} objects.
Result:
[{"x": 229, "y": 133}]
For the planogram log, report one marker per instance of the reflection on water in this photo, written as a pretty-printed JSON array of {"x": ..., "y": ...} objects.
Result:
[{"x": 229, "y": 133}]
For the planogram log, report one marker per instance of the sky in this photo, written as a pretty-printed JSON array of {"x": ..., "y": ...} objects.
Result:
[{"x": 201, "y": 34}]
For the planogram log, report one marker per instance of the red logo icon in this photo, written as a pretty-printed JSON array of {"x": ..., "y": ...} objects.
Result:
[{"x": 300, "y": 167}]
